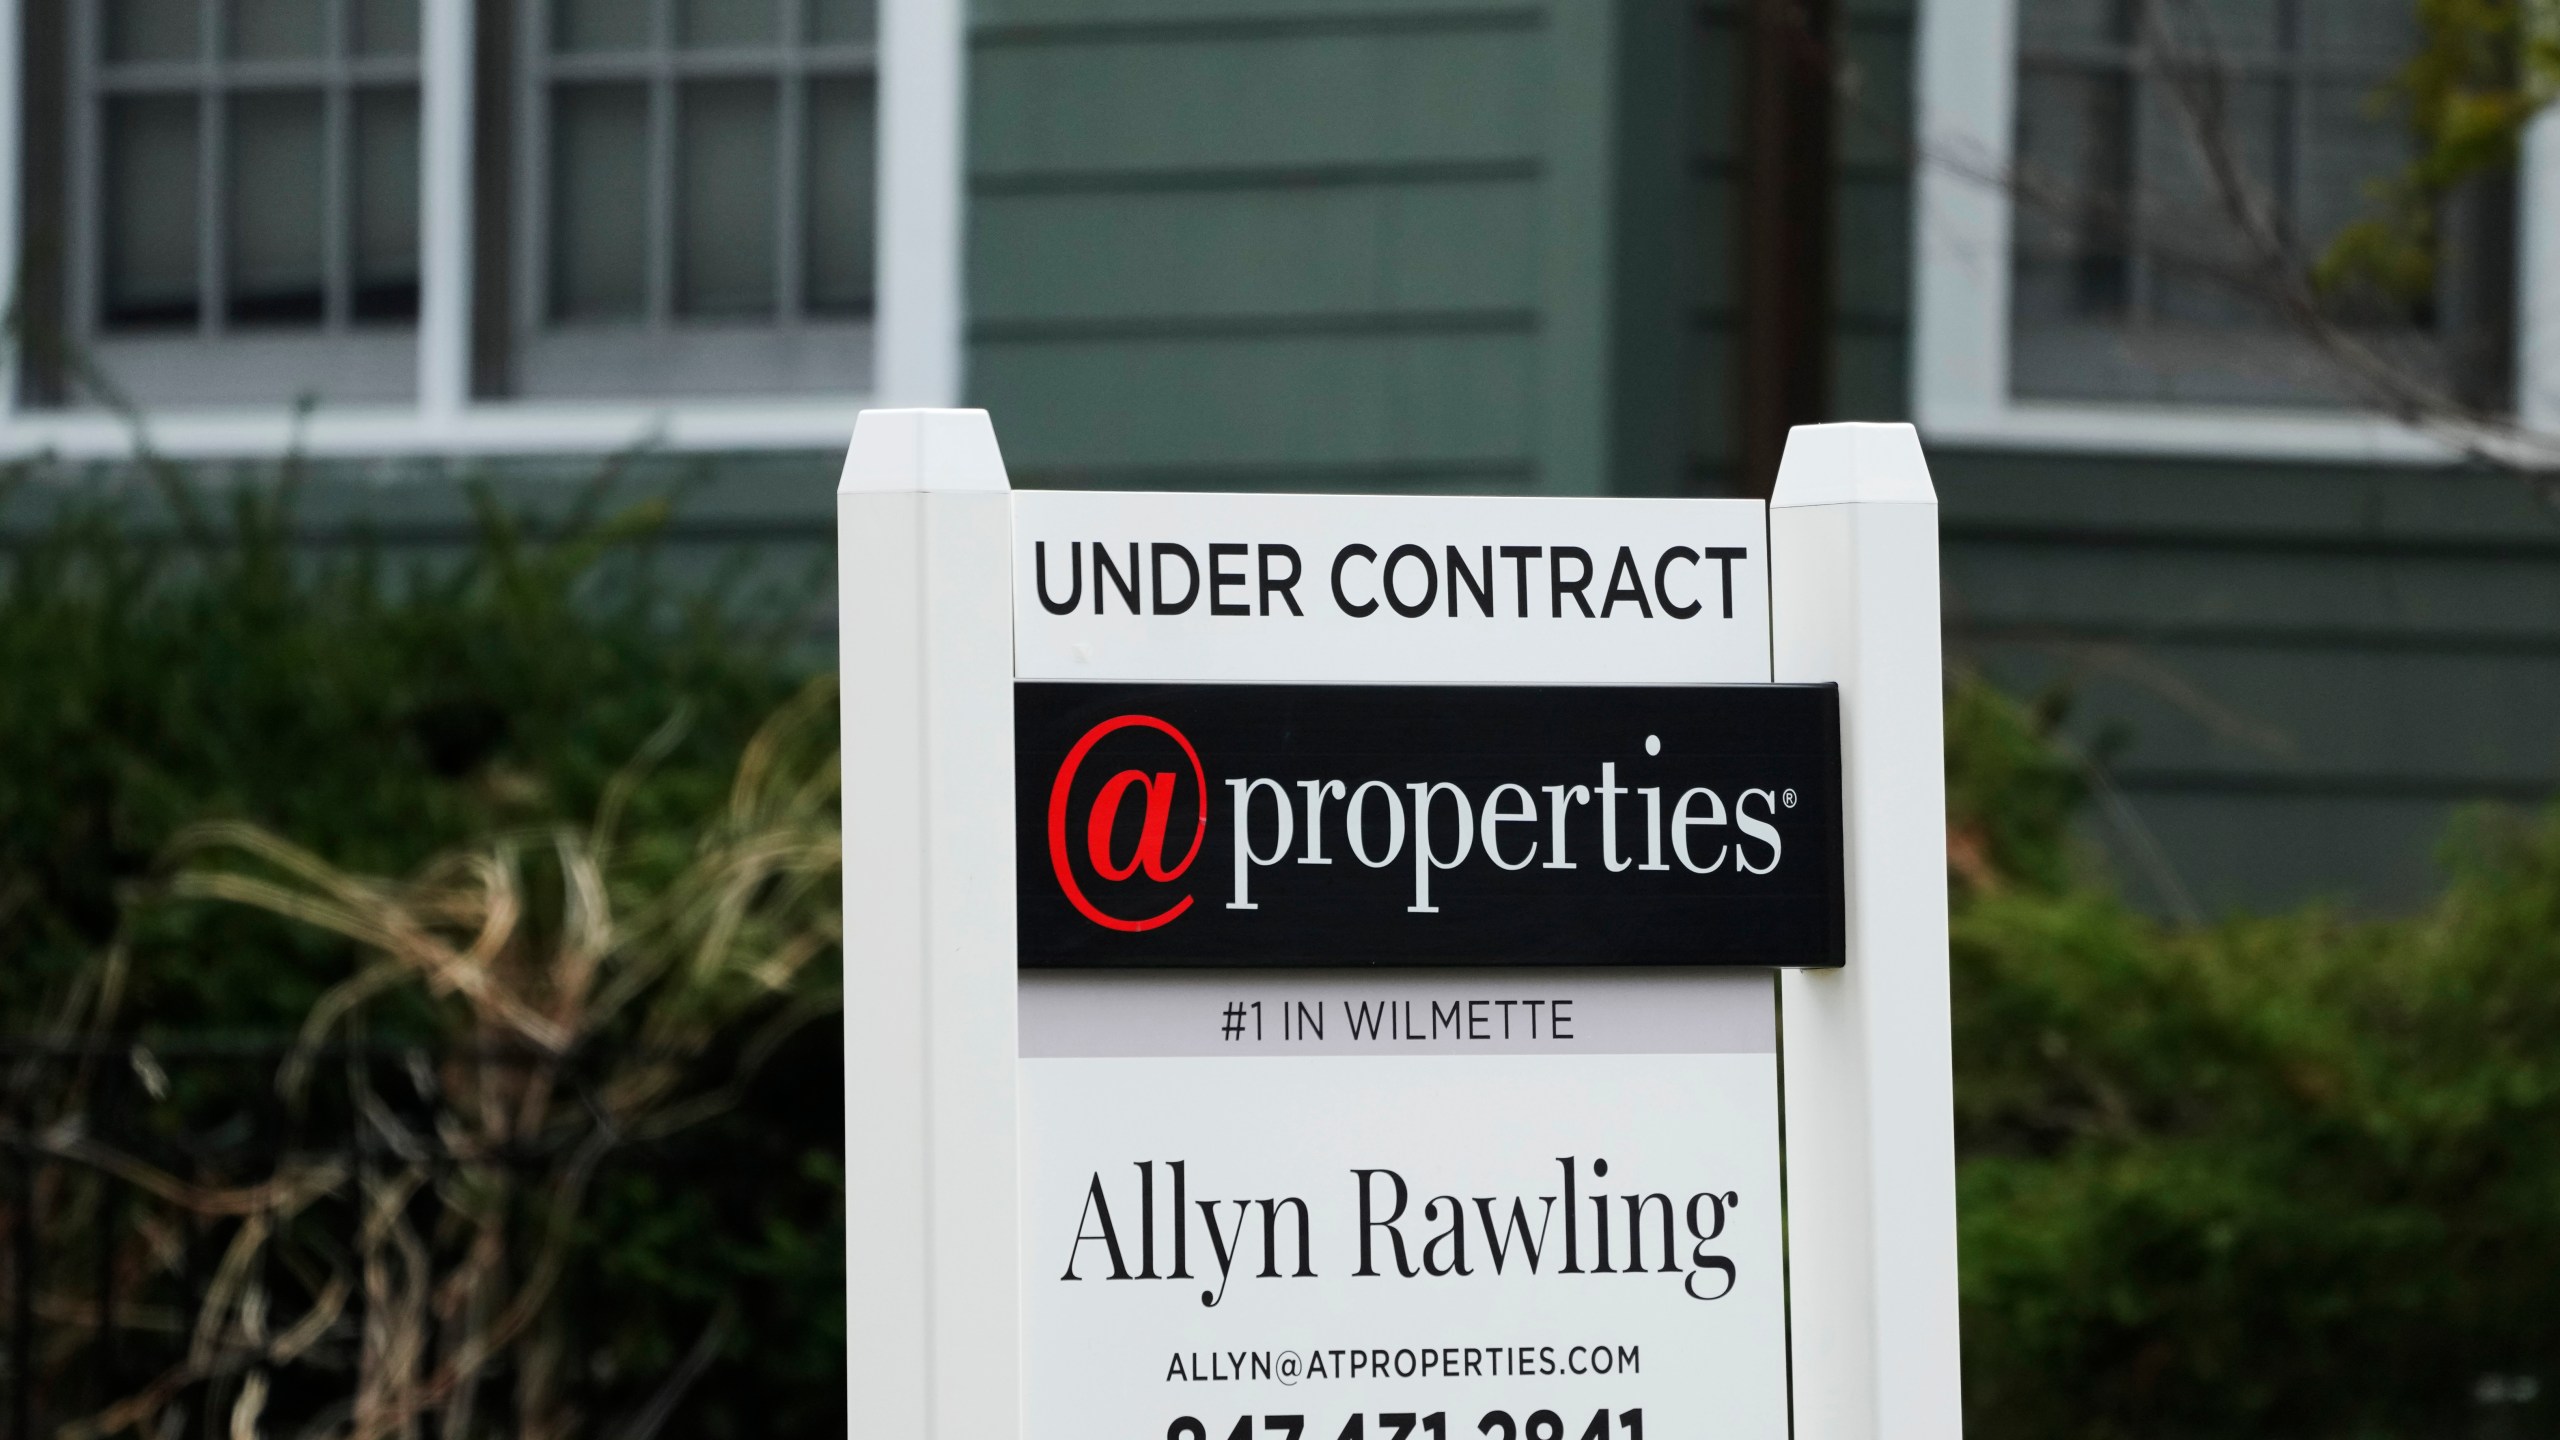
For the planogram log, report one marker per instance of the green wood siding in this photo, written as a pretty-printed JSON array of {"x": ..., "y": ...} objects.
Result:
[
  {"x": 758, "y": 528},
  {"x": 1307, "y": 243},
  {"x": 2295, "y": 675}
]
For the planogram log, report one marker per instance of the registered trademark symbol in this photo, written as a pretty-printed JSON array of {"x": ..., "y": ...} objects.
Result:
[{"x": 1788, "y": 799}]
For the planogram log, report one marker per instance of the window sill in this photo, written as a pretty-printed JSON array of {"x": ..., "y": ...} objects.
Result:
[
  {"x": 489, "y": 428},
  {"x": 2197, "y": 432}
]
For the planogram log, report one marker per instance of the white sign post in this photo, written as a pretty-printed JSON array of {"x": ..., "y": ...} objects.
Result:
[
  {"x": 1853, "y": 531},
  {"x": 1309, "y": 958}
]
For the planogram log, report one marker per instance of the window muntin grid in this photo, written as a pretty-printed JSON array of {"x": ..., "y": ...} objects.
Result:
[
  {"x": 425, "y": 388},
  {"x": 2127, "y": 277},
  {"x": 696, "y": 164},
  {"x": 244, "y": 166}
]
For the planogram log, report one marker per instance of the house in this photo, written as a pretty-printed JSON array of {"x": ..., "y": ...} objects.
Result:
[{"x": 1531, "y": 246}]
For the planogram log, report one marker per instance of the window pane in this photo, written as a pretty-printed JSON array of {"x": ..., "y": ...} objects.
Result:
[
  {"x": 275, "y": 29},
  {"x": 386, "y": 194},
  {"x": 386, "y": 27},
  {"x": 725, "y": 205},
  {"x": 835, "y": 22},
  {"x": 2350, "y": 146},
  {"x": 2204, "y": 259},
  {"x": 2075, "y": 172},
  {"x": 706, "y": 23},
  {"x": 840, "y": 189},
  {"x": 151, "y": 29},
  {"x": 2217, "y": 27},
  {"x": 276, "y": 161},
  {"x": 2384, "y": 32},
  {"x": 599, "y": 201},
  {"x": 150, "y": 217},
  {"x": 600, "y": 24},
  {"x": 2069, "y": 22}
]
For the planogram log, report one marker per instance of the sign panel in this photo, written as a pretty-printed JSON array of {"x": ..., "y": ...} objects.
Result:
[
  {"x": 1427, "y": 825},
  {"x": 1300, "y": 969},
  {"x": 1398, "y": 589},
  {"x": 1395, "y": 884},
  {"x": 1530, "y": 1205}
]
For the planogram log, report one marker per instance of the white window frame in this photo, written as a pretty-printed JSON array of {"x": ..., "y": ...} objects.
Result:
[
  {"x": 1961, "y": 237},
  {"x": 917, "y": 356}
]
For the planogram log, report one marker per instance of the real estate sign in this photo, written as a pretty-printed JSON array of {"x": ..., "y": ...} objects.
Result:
[{"x": 1314, "y": 963}]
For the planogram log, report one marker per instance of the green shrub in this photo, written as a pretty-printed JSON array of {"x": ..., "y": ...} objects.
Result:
[
  {"x": 2290, "y": 1176},
  {"x": 174, "y": 657}
]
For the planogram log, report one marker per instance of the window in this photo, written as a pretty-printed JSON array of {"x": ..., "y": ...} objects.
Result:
[
  {"x": 474, "y": 226},
  {"x": 2082, "y": 279},
  {"x": 2132, "y": 277},
  {"x": 695, "y": 191},
  {"x": 240, "y": 185}
]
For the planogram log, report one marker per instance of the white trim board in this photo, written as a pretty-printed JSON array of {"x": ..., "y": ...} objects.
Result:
[
  {"x": 485, "y": 429},
  {"x": 2187, "y": 431},
  {"x": 445, "y": 101},
  {"x": 1960, "y": 311}
]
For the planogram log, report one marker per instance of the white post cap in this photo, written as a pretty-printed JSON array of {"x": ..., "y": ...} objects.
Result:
[
  {"x": 912, "y": 450},
  {"x": 1853, "y": 463}
]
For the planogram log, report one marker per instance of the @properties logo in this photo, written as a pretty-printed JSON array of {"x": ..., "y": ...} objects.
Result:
[{"x": 1156, "y": 791}]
